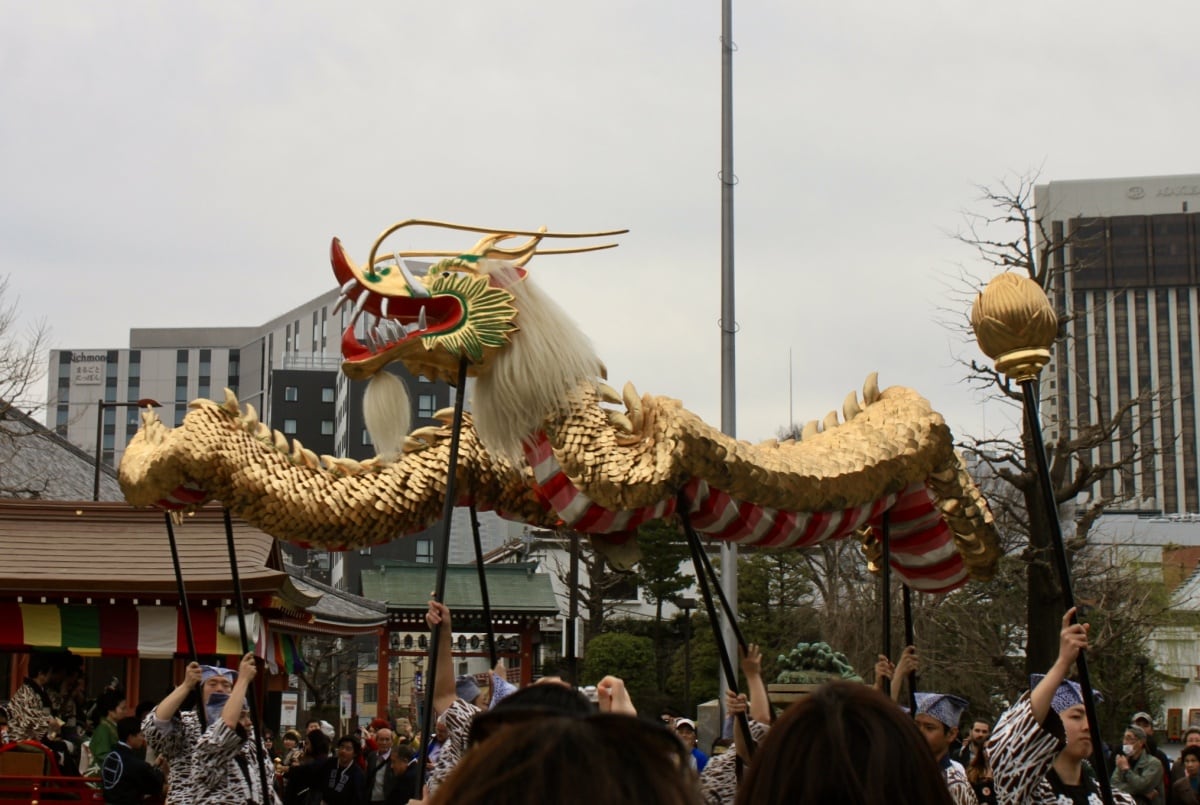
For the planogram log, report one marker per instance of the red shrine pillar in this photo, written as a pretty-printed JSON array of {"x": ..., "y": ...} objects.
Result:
[{"x": 383, "y": 663}]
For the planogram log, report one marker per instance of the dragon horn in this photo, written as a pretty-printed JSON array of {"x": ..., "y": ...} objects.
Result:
[{"x": 494, "y": 235}]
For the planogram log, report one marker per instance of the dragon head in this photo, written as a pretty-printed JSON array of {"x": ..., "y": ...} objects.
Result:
[{"x": 432, "y": 316}]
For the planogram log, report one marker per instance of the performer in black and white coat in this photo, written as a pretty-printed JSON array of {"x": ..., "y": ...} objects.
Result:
[
  {"x": 216, "y": 764},
  {"x": 1040, "y": 744}
]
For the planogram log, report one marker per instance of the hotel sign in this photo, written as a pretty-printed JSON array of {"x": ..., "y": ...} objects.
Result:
[{"x": 87, "y": 368}]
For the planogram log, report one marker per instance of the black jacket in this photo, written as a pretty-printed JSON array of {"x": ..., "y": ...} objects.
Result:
[{"x": 126, "y": 778}]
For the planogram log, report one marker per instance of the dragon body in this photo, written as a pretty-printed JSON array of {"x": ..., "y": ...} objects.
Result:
[{"x": 548, "y": 443}]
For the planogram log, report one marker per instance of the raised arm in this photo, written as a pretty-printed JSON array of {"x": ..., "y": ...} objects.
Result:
[
  {"x": 909, "y": 663},
  {"x": 1071, "y": 640},
  {"x": 231, "y": 713},
  {"x": 169, "y": 706},
  {"x": 756, "y": 688},
  {"x": 444, "y": 692}
]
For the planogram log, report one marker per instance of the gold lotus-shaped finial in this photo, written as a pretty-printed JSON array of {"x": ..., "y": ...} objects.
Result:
[{"x": 1015, "y": 325}]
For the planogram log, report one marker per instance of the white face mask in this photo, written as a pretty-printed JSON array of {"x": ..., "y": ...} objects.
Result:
[{"x": 1127, "y": 749}]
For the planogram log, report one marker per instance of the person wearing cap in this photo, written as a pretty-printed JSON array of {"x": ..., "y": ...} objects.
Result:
[
  {"x": 1040, "y": 744},
  {"x": 937, "y": 717},
  {"x": 1138, "y": 772},
  {"x": 1144, "y": 721},
  {"x": 685, "y": 728},
  {"x": 212, "y": 755}
]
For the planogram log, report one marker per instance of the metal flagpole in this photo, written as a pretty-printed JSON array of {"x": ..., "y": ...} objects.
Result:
[{"x": 728, "y": 309}]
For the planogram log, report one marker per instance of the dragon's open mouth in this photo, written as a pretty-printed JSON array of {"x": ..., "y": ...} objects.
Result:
[{"x": 390, "y": 321}]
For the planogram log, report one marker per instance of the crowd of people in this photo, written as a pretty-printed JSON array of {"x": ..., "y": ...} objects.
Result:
[{"x": 549, "y": 742}]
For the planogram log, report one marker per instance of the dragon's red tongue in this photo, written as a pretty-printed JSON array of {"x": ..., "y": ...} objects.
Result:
[{"x": 351, "y": 349}]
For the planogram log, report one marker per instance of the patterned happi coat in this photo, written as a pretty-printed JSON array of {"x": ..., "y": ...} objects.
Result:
[
  {"x": 1022, "y": 752},
  {"x": 215, "y": 767}
]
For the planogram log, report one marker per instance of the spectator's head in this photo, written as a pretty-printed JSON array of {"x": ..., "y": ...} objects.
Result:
[
  {"x": 383, "y": 739},
  {"x": 530, "y": 704},
  {"x": 1190, "y": 757},
  {"x": 404, "y": 725},
  {"x": 720, "y": 746},
  {"x": 316, "y": 744},
  {"x": 937, "y": 718},
  {"x": 40, "y": 667},
  {"x": 313, "y": 724},
  {"x": 1144, "y": 721},
  {"x": 685, "y": 728},
  {"x": 112, "y": 704},
  {"x": 1191, "y": 736},
  {"x": 129, "y": 731},
  {"x": 622, "y": 759},
  {"x": 291, "y": 739},
  {"x": 1134, "y": 741},
  {"x": 399, "y": 759},
  {"x": 844, "y": 743},
  {"x": 981, "y": 730},
  {"x": 348, "y": 750}
]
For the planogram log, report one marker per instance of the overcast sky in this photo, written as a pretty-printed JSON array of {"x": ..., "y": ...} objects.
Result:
[{"x": 186, "y": 164}]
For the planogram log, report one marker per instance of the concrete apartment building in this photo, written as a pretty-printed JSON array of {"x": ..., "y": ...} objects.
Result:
[{"x": 1132, "y": 292}]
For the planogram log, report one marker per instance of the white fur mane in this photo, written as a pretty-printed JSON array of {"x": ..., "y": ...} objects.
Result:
[{"x": 537, "y": 376}]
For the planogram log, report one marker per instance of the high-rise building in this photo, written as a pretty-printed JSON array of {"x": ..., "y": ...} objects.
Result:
[
  {"x": 287, "y": 368},
  {"x": 1131, "y": 294}
]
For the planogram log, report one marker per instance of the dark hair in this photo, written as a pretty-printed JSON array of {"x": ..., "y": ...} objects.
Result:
[
  {"x": 1193, "y": 750},
  {"x": 621, "y": 758},
  {"x": 350, "y": 739},
  {"x": 41, "y": 664},
  {"x": 844, "y": 743},
  {"x": 109, "y": 700},
  {"x": 534, "y": 703},
  {"x": 128, "y": 726},
  {"x": 319, "y": 742}
]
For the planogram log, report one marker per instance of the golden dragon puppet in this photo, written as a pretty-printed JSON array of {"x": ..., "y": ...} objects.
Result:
[{"x": 548, "y": 443}]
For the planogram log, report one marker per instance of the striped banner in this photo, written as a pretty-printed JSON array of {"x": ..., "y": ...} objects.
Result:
[
  {"x": 111, "y": 631},
  {"x": 280, "y": 651}
]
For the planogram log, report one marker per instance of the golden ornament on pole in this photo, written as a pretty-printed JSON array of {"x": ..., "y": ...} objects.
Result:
[{"x": 1015, "y": 325}]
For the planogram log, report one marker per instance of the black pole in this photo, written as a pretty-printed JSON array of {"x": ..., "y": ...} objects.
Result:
[
  {"x": 687, "y": 658},
  {"x": 183, "y": 605},
  {"x": 483, "y": 588},
  {"x": 699, "y": 561},
  {"x": 708, "y": 568},
  {"x": 1029, "y": 391},
  {"x": 886, "y": 577},
  {"x": 439, "y": 592},
  {"x": 246, "y": 649},
  {"x": 99, "y": 446},
  {"x": 910, "y": 639},
  {"x": 573, "y": 611}
]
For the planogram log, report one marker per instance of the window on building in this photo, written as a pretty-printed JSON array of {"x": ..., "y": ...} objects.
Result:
[
  {"x": 291, "y": 394},
  {"x": 425, "y": 551},
  {"x": 366, "y": 438},
  {"x": 289, "y": 426},
  {"x": 370, "y": 692},
  {"x": 326, "y": 427},
  {"x": 426, "y": 405},
  {"x": 328, "y": 394},
  {"x": 624, "y": 588},
  {"x": 64, "y": 365}
]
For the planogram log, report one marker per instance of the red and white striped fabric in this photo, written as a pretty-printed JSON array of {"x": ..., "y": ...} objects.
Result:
[{"x": 922, "y": 547}]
